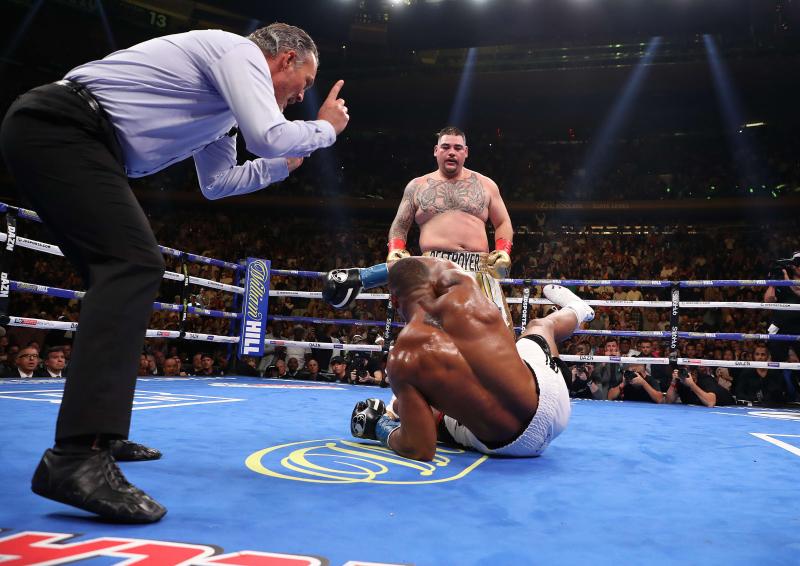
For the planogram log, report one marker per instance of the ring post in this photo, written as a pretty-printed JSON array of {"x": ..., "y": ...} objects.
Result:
[
  {"x": 6, "y": 263},
  {"x": 526, "y": 296},
  {"x": 673, "y": 325},
  {"x": 184, "y": 295},
  {"x": 237, "y": 281},
  {"x": 387, "y": 329},
  {"x": 254, "y": 307}
]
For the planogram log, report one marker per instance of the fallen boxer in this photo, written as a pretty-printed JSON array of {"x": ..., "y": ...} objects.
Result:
[{"x": 456, "y": 356}]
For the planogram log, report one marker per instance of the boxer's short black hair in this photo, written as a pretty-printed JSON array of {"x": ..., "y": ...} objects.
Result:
[
  {"x": 407, "y": 274},
  {"x": 451, "y": 131}
]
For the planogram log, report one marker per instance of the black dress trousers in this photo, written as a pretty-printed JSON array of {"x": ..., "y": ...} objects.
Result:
[{"x": 67, "y": 164}]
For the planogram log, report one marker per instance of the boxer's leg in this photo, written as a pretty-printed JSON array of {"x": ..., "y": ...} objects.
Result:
[{"x": 560, "y": 325}]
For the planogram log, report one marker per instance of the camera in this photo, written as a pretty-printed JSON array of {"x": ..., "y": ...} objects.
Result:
[
  {"x": 360, "y": 366},
  {"x": 777, "y": 269},
  {"x": 628, "y": 375},
  {"x": 683, "y": 373}
]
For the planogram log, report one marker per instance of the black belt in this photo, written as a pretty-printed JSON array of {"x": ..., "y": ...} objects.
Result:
[{"x": 84, "y": 93}]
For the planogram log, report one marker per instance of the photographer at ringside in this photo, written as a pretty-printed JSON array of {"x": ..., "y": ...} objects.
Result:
[
  {"x": 582, "y": 385},
  {"x": 783, "y": 322},
  {"x": 365, "y": 368},
  {"x": 691, "y": 387},
  {"x": 635, "y": 384}
]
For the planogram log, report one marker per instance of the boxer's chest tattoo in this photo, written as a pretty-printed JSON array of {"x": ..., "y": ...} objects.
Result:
[{"x": 466, "y": 195}]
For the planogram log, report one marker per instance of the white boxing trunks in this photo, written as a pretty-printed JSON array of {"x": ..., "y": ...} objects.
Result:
[
  {"x": 551, "y": 416},
  {"x": 475, "y": 264}
]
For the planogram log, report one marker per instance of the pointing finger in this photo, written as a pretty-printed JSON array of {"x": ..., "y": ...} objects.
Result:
[{"x": 335, "y": 90}]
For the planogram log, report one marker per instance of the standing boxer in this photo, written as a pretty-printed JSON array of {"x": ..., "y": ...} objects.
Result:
[{"x": 451, "y": 207}]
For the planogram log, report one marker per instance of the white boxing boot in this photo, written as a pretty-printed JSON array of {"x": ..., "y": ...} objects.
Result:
[{"x": 566, "y": 299}]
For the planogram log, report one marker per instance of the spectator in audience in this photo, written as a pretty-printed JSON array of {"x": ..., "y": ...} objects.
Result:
[
  {"x": 172, "y": 367},
  {"x": 625, "y": 348},
  {"x": 635, "y": 385},
  {"x": 691, "y": 386},
  {"x": 322, "y": 334},
  {"x": 292, "y": 368},
  {"x": 54, "y": 363},
  {"x": 207, "y": 368},
  {"x": 25, "y": 362},
  {"x": 197, "y": 364},
  {"x": 606, "y": 375},
  {"x": 581, "y": 385},
  {"x": 339, "y": 369},
  {"x": 725, "y": 379},
  {"x": 10, "y": 364},
  {"x": 312, "y": 372},
  {"x": 761, "y": 385},
  {"x": 296, "y": 351},
  {"x": 246, "y": 366},
  {"x": 144, "y": 366},
  {"x": 365, "y": 370},
  {"x": 270, "y": 352},
  {"x": 152, "y": 366}
]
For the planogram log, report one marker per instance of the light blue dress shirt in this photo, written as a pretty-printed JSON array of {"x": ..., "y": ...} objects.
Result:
[{"x": 178, "y": 96}]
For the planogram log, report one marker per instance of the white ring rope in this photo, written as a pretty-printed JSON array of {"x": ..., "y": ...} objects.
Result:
[
  {"x": 668, "y": 304},
  {"x": 153, "y": 333},
  {"x": 173, "y": 276}
]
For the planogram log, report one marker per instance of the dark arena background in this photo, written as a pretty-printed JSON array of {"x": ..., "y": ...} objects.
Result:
[{"x": 648, "y": 154}]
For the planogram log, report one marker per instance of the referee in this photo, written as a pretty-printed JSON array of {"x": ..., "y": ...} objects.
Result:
[{"x": 71, "y": 147}]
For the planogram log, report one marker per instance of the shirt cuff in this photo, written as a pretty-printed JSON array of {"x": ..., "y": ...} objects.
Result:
[
  {"x": 277, "y": 169},
  {"x": 326, "y": 129}
]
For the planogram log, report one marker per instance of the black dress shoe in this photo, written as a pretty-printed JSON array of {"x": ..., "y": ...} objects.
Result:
[
  {"x": 127, "y": 451},
  {"x": 93, "y": 482}
]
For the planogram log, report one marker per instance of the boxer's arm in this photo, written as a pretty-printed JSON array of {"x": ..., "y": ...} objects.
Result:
[
  {"x": 499, "y": 261},
  {"x": 498, "y": 213},
  {"x": 416, "y": 436},
  {"x": 398, "y": 232}
]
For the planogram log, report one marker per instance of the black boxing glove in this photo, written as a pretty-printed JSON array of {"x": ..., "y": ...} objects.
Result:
[
  {"x": 342, "y": 286},
  {"x": 365, "y": 417}
]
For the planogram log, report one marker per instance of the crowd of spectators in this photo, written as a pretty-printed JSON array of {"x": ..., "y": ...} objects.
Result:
[
  {"x": 695, "y": 385},
  {"x": 657, "y": 166},
  {"x": 545, "y": 251}
]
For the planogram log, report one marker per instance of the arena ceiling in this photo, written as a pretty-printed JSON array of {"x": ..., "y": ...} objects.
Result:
[{"x": 543, "y": 62}]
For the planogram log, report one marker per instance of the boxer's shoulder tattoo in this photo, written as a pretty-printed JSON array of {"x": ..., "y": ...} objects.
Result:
[
  {"x": 405, "y": 213},
  {"x": 438, "y": 196}
]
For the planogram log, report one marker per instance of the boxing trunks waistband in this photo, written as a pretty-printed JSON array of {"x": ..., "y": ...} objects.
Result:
[
  {"x": 468, "y": 261},
  {"x": 555, "y": 363}
]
